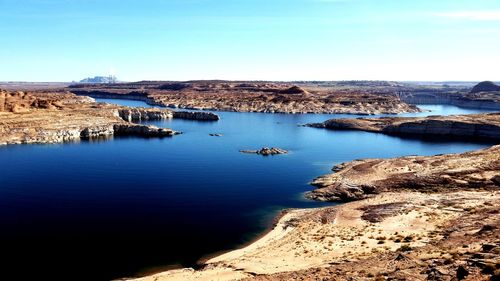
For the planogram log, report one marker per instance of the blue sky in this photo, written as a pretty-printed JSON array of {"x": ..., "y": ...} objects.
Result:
[{"x": 65, "y": 40}]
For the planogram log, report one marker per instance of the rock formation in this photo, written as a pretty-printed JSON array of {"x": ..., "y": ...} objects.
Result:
[
  {"x": 144, "y": 114},
  {"x": 476, "y": 125},
  {"x": 362, "y": 178},
  {"x": 59, "y": 117},
  {"x": 265, "y": 151},
  {"x": 195, "y": 115},
  {"x": 270, "y": 97},
  {"x": 142, "y": 130},
  {"x": 485, "y": 86}
]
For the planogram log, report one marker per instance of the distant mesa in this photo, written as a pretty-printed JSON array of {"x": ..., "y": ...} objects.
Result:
[
  {"x": 100, "y": 80},
  {"x": 485, "y": 86},
  {"x": 175, "y": 86}
]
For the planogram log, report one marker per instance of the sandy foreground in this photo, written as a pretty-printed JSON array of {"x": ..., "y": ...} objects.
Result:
[{"x": 337, "y": 236}]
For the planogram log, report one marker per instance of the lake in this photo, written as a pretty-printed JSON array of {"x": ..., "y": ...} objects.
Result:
[{"x": 107, "y": 209}]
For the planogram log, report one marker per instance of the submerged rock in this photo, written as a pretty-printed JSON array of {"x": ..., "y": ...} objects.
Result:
[{"x": 266, "y": 151}]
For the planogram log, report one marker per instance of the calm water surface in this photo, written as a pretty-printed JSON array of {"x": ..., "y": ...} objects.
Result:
[{"x": 107, "y": 209}]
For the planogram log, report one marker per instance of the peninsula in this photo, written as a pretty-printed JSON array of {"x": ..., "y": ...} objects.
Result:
[{"x": 46, "y": 117}]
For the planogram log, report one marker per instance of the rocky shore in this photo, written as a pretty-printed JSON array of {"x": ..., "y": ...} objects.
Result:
[
  {"x": 363, "y": 178},
  {"x": 485, "y": 126},
  {"x": 265, "y": 151},
  {"x": 195, "y": 115},
  {"x": 46, "y": 117}
]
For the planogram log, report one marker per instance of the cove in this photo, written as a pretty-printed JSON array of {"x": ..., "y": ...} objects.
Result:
[{"x": 100, "y": 210}]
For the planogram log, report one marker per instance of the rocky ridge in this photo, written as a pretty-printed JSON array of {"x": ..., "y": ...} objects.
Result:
[
  {"x": 360, "y": 179},
  {"x": 270, "y": 97},
  {"x": 475, "y": 125}
]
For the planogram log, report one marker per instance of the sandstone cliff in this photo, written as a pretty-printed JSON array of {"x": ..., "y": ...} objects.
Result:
[
  {"x": 56, "y": 117},
  {"x": 476, "y": 125}
]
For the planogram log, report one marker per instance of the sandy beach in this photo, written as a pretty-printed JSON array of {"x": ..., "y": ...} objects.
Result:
[{"x": 324, "y": 237}]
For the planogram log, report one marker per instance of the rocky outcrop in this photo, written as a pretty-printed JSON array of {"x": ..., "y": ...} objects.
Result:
[
  {"x": 485, "y": 126},
  {"x": 70, "y": 119},
  {"x": 142, "y": 130},
  {"x": 97, "y": 132},
  {"x": 362, "y": 178},
  {"x": 196, "y": 115},
  {"x": 265, "y": 151},
  {"x": 144, "y": 114},
  {"x": 485, "y": 86}
]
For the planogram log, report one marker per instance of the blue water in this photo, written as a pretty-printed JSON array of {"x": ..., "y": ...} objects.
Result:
[{"x": 110, "y": 209}]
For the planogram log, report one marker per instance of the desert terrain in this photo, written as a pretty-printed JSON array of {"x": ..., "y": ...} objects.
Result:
[{"x": 270, "y": 97}]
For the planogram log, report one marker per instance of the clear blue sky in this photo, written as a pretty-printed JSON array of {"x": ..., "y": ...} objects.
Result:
[{"x": 64, "y": 40}]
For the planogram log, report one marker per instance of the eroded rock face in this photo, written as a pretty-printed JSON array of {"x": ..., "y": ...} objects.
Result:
[
  {"x": 361, "y": 178},
  {"x": 73, "y": 118},
  {"x": 144, "y": 114},
  {"x": 265, "y": 151},
  {"x": 474, "y": 125},
  {"x": 196, "y": 115},
  {"x": 142, "y": 130},
  {"x": 97, "y": 131}
]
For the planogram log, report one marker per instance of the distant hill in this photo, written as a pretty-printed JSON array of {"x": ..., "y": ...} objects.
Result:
[
  {"x": 100, "y": 79},
  {"x": 485, "y": 86}
]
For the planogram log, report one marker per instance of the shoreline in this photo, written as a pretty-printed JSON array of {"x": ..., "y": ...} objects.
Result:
[
  {"x": 271, "y": 256},
  {"x": 374, "y": 227},
  {"x": 202, "y": 262}
]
